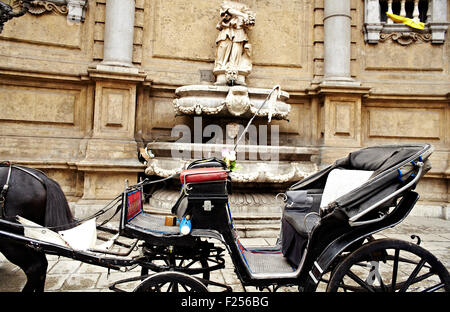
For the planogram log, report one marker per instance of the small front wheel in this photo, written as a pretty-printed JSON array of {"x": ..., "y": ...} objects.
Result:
[
  {"x": 389, "y": 265},
  {"x": 171, "y": 282}
]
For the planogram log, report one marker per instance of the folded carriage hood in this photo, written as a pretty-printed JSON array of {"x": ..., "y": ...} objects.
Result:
[
  {"x": 380, "y": 158},
  {"x": 384, "y": 160}
]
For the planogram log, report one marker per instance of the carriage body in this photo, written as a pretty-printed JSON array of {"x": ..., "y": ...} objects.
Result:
[
  {"x": 324, "y": 229},
  {"x": 313, "y": 239}
]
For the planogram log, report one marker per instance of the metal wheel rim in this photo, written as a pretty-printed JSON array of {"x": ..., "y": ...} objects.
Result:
[
  {"x": 405, "y": 267},
  {"x": 171, "y": 282}
]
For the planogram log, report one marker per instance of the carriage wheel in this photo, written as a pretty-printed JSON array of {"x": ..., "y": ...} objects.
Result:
[
  {"x": 171, "y": 282},
  {"x": 389, "y": 265},
  {"x": 177, "y": 264},
  {"x": 198, "y": 261}
]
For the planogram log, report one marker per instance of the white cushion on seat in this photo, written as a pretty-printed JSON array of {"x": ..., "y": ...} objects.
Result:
[{"x": 342, "y": 181}]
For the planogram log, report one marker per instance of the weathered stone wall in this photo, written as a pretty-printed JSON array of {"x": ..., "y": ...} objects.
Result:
[{"x": 82, "y": 123}]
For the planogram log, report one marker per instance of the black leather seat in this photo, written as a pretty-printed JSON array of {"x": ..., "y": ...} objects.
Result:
[
  {"x": 300, "y": 215},
  {"x": 297, "y": 220}
]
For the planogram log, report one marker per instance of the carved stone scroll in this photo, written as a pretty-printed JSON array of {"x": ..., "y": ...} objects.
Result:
[
  {"x": 405, "y": 38},
  {"x": 74, "y": 9},
  {"x": 41, "y": 7}
]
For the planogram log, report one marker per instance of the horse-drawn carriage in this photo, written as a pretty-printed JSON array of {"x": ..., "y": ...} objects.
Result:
[{"x": 326, "y": 235}]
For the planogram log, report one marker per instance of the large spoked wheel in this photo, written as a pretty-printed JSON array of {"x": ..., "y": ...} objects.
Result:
[
  {"x": 171, "y": 282},
  {"x": 389, "y": 265},
  {"x": 197, "y": 267},
  {"x": 199, "y": 260}
]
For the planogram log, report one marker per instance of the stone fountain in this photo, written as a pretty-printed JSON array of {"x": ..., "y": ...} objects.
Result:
[{"x": 224, "y": 108}]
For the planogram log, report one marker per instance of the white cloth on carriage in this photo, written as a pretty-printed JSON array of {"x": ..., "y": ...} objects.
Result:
[
  {"x": 342, "y": 181},
  {"x": 81, "y": 237}
]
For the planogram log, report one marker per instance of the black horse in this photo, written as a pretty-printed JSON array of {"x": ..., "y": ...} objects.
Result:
[{"x": 36, "y": 197}]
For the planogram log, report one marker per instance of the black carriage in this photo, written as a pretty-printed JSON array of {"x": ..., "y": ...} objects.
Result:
[{"x": 326, "y": 236}]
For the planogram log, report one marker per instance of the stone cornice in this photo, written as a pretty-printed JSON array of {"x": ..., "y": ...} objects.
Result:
[
  {"x": 422, "y": 97},
  {"x": 118, "y": 73},
  {"x": 22, "y": 73},
  {"x": 339, "y": 89},
  {"x": 84, "y": 165}
]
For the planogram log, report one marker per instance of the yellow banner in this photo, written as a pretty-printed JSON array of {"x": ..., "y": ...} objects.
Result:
[{"x": 407, "y": 21}]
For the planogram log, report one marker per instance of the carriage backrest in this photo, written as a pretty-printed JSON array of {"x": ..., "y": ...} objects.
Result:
[{"x": 340, "y": 182}]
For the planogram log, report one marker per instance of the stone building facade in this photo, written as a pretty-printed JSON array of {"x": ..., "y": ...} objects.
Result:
[{"x": 79, "y": 98}]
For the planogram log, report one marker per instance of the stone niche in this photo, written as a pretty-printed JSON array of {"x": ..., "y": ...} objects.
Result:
[
  {"x": 180, "y": 39},
  {"x": 228, "y": 102}
]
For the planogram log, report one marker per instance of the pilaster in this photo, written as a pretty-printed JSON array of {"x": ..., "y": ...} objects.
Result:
[
  {"x": 340, "y": 120},
  {"x": 111, "y": 151}
]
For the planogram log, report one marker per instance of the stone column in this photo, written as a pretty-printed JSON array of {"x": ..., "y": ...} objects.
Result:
[
  {"x": 119, "y": 32},
  {"x": 337, "y": 42}
]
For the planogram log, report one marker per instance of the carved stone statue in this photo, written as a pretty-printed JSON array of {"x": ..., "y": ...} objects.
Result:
[{"x": 233, "y": 61}]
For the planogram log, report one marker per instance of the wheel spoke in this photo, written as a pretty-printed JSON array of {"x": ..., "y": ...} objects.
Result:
[
  {"x": 171, "y": 284},
  {"x": 158, "y": 287},
  {"x": 435, "y": 287},
  {"x": 354, "y": 277},
  {"x": 185, "y": 288},
  {"x": 383, "y": 287},
  {"x": 413, "y": 275},
  {"x": 190, "y": 263},
  {"x": 349, "y": 287},
  {"x": 395, "y": 269}
]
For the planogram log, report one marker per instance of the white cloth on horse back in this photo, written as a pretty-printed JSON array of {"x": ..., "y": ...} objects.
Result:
[{"x": 81, "y": 237}]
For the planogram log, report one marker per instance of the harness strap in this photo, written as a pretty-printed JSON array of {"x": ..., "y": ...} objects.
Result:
[
  {"x": 4, "y": 191},
  {"x": 5, "y": 188},
  {"x": 30, "y": 173}
]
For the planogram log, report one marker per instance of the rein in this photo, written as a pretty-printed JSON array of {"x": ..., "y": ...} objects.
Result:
[
  {"x": 103, "y": 210},
  {"x": 4, "y": 191}
]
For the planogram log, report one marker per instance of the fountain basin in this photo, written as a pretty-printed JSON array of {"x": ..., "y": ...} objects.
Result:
[{"x": 234, "y": 101}]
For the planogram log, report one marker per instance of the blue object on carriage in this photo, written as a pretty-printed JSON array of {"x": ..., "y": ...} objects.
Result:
[
  {"x": 185, "y": 226},
  {"x": 400, "y": 175}
]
